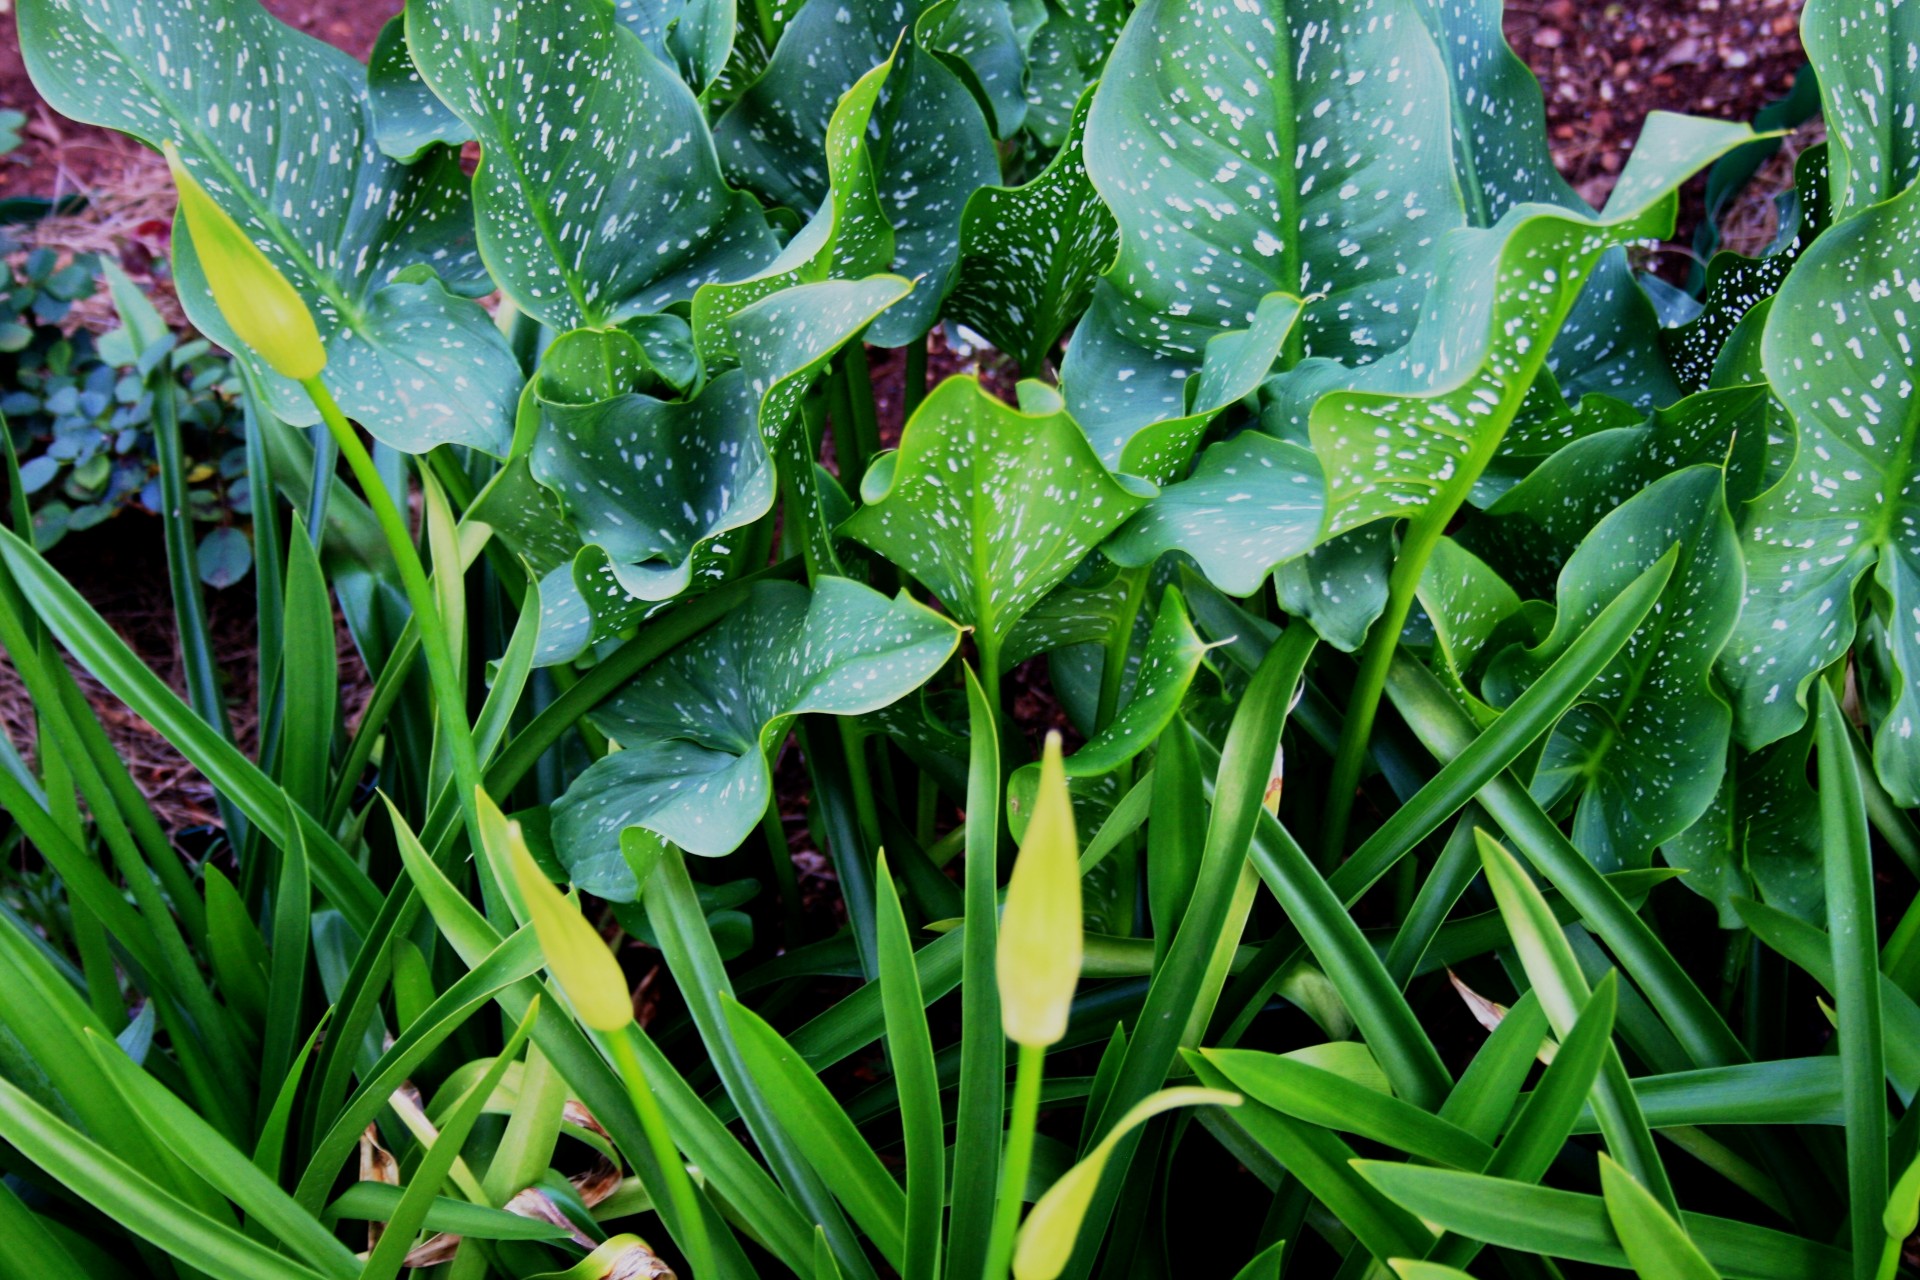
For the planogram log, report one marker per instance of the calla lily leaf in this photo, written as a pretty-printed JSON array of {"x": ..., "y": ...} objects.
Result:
[
  {"x": 1630, "y": 750},
  {"x": 697, "y": 726},
  {"x": 380, "y": 252},
  {"x": 989, "y": 506},
  {"x": 599, "y": 195}
]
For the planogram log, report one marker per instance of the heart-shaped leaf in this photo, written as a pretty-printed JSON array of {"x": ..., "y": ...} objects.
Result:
[
  {"x": 697, "y": 725},
  {"x": 1252, "y": 149},
  {"x": 1064, "y": 58},
  {"x": 1838, "y": 354},
  {"x": 599, "y": 195},
  {"x": 367, "y": 242},
  {"x": 1631, "y": 749},
  {"x": 990, "y": 506}
]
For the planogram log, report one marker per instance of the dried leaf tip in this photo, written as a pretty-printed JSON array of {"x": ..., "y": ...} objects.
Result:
[
  {"x": 575, "y": 951},
  {"x": 265, "y": 312},
  {"x": 1038, "y": 962}
]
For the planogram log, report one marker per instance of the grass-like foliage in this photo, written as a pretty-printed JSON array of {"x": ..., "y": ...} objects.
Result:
[{"x": 1487, "y": 847}]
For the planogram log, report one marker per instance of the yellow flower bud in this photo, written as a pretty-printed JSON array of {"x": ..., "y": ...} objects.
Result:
[
  {"x": 1038, "y": 961},
  {"x": 1047, "y": 1238},
  {"x": 575, "y": 951},
  {"x": 265, "y": 312}
]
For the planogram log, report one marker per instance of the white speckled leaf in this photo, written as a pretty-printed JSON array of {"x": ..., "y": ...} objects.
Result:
[
  {"x": 1159, "y": 685},
  {"x": 1536, "y": 525},
  {"x": 698, "y": 724},
  {"x": 783, "y": 342},
  {"x": 1735, "y": 282},
  {"x": 296, "y": 166},
  {"x": 988, "y": 506},
  {"x": 847, "y": 237},
  {"x": 1252, "y": 148},
  {"x": 932, "y": 144},
  {"x": 984, "y": 42},
  {"x": 1065, "y": 57},
  {"x": 1867, "y": 55},
  {"x": 407, "y": 118},
  {"x": 649, "y": 485},
  {"x": 1761, "y": 833},
  {"x": 693, "y": 36},
  {"x": 1252, "y": 504},
  {"x": 1641, "y": 749},
  {"x": 1075, "y": 612},
  {"x": 1029, "y": 255},
  {"x": 1341, "y": 585},
  {"x": 937, "y": 152},
  {"x": 599, "y": 196},
  {"x": 1839, "y": 352},
  {"x": 1499, "y": 121},
  {"x": 1429, "y": 418}
]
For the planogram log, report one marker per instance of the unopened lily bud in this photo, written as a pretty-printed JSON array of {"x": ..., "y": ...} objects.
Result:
[
  {"x": 265, "y": 312},
  {"x": 576, "y": 953},
  {"x": 1038, "y": 961}
]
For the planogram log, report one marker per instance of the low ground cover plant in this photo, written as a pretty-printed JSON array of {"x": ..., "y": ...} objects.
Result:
[{"x": 1484, "y": 846}]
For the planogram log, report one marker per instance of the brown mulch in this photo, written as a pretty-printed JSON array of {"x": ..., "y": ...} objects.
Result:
[{"x": 1603, "y": 67}]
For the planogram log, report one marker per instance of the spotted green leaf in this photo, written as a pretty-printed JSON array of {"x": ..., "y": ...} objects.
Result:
[
  {"x": 1252, "y": 504},
  {"x": 989, "y": 506},
  {"x": 848, "y": 235},
  {"x": 696, "y": 726},
  {"x": 650, "y": 484},
  {"x": 1867, "y": 56},
  {"x": 1760, "y": 836},
  {"x": 1533, "y": 527},
  {"x": 985, "y": 43},
  {"x": 599, "y": 195},
  {"x": 1166, "y": 669},
  {"x": 1838, "y": 354},
  {"x": 1065, "y": 57},
  {"x": 1029, "y": 255},
  {"x": 783, "y": 342},
  {"x": 1341, "y": 585},
  {"x": 407, "y": 119},
  {"x": 1735, "y": 282},
  {"x": 1422, "y": 425},
  {"x": 1472, "y": 614},
  {"x": 1630, "y": 750},
  {"x": 373, "y": 247},
  {"x": 933, "y": 144},
  {"x": 1257, "y": 148},
  {"x": 693, "y": 36}
]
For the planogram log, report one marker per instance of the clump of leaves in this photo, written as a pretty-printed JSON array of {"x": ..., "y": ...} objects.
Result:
[{"x": 1493, "y": 708}]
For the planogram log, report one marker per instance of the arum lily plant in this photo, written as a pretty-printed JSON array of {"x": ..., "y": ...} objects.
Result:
[{"x": 1485, "y": 846}]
